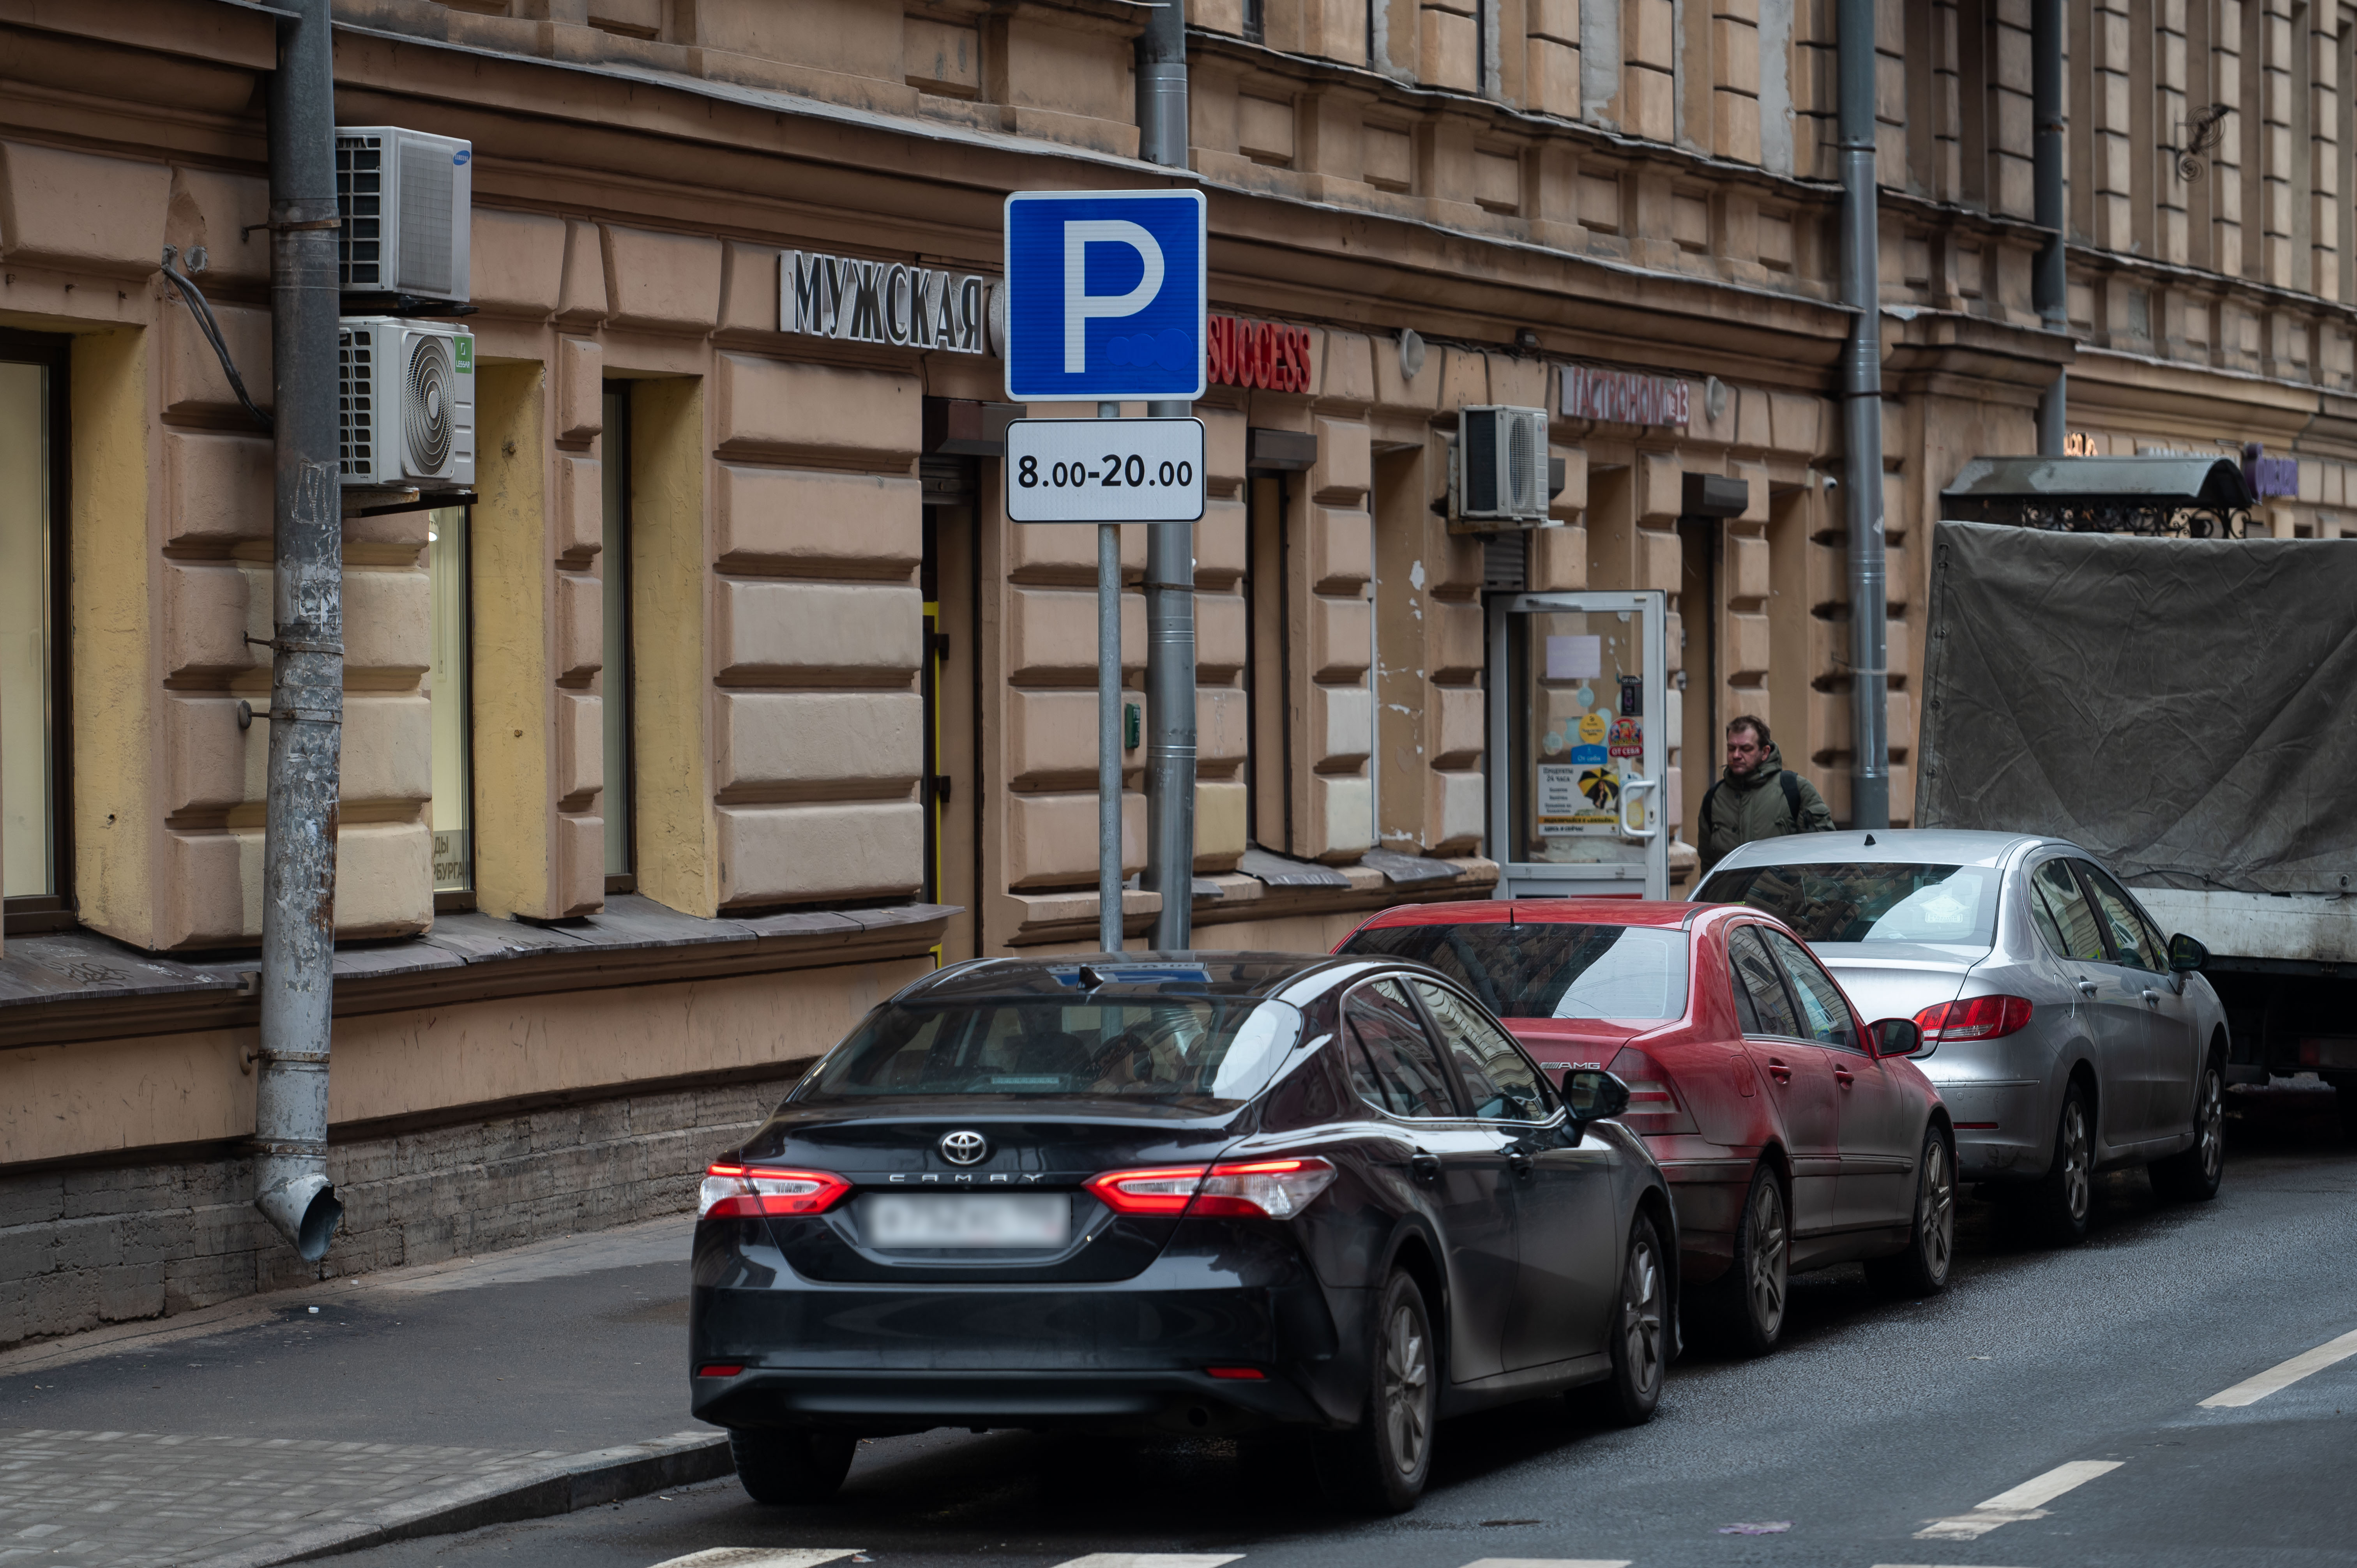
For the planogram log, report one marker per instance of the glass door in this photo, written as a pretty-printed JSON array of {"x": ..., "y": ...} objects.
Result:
[{"x": 1577, "y": 750}]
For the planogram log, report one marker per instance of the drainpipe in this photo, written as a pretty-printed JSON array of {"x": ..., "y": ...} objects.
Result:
[
  {"x": 1170, "y": 549},
  {"x": 2049, "y": 290},
  {"x": 1869, "y": 792},
  {"x": 307, "y": 666}
]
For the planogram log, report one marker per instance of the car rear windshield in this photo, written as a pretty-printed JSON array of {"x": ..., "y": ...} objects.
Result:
[
  {"x": 1867, "y": 901},
  {"x": 1191, "y": 1051},
  {"x": 1547, "y": 971}
]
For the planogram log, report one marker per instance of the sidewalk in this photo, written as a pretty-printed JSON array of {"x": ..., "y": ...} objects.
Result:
[{"x": 449, "y": 1396}]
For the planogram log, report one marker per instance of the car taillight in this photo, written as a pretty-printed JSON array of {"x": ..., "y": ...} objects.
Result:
[
  {"x": 1972, "y": 1018},
  {"x": 1164, "y": 1190},
  {"x": 1653, "y": 1104},
  {"x": 746, "y": 1192},
  {"x": 1277, "y": 1188}
]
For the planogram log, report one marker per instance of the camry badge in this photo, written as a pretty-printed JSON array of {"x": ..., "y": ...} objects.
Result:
[{"x": 964, "y": 1147}]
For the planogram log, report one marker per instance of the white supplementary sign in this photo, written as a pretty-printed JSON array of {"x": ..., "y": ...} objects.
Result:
[
  {"x": 1105, "y": 470},
  {"x": 890, "y": 302}
]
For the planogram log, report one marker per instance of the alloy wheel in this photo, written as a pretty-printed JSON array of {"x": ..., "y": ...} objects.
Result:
[
  {"x": 1408, "y": 1387},
  {"x": 1935, "y": 1210},
  {"x": 1640, "y": 1315},
  {"x": 2211, "y": 1121},
  {"x": 2078, "y": 1186},
  {"x": 1767, "y": 1241}
]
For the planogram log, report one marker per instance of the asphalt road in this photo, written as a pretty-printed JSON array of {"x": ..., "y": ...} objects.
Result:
[{"x": 2078, "y": 1373}]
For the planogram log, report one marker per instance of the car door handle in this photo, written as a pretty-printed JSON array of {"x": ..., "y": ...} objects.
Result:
[
  {"x": 2153, "y": 997},
  {"x": 1843, "y": 1076},
  {"x": 1778, "y": 1070},
  {"x": 1424, "y": 1167},
  {"x": 1519, "y": 1163},
  {"x": 2088, "y": 987}
]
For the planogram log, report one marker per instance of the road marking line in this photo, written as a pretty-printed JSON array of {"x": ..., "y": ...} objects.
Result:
[
  {"x": 1549, "y": 1562},
  {"x": 760, "y": 1557},
  {"x": 2025, "y": 1501},
  {"x": 2251, "y": 1390},
  {"x": 1151, "y": 1560}
]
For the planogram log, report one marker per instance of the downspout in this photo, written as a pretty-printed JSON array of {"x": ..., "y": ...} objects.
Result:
[
  {"x": 1170, "y": 549},
  {"x": 1869, "y": 793},
  {"x": 2049, "y": 290},
  {"x": 306, "y": 668}
]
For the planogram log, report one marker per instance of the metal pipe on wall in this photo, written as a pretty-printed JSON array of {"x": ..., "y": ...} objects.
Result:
[
  {"x": 307, "y": 669},
  {"x": 1170, "y": 550},
  {"x": 1869, "y": 793},
  {"x": 1109, "y": 716},
  {"x": 2049, "y": 289}
]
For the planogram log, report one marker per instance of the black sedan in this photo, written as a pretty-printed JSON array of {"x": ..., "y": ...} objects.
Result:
[{"x": 1188, "y": 1193}]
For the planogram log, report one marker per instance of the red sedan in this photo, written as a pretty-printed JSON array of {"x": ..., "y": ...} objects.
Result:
[{"x": 1793, "y": 1135}]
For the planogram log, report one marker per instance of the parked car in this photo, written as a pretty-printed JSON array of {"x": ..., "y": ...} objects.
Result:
[
  {"x": 2065, "y": 1034},
  {"x": 1792, "y": 1136},
  {"x": 1193, "y": 1193}
]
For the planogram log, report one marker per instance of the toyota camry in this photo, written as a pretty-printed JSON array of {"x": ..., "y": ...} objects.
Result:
[{"x": 1195, "y": 1194}]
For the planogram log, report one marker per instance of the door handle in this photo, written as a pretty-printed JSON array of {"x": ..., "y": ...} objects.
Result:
[
  {"x": 1424, "y": 1167},
  {"x": 2153, "y": 997},
  {"x": 1519, "y": 1163},
  {"x": 2088, "y": 988},
  {"x": 1630, "y": 790},
  {"x": 1843, "y": 1076},
  {"x": 1778, "y": 1070}
]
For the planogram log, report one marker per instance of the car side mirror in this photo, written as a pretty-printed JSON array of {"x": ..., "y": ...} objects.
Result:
[
  {"x": 1592, "y": 1094},
  {"x": 1897, "y": 1037},
  {"x": 2186, "y": 955}
]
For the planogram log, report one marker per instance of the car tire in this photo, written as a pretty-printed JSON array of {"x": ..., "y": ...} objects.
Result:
[
  {"x": 1923, "y": 1268},
  {"x": 784, "y": 1468},
  {"x": 1754, "y": 1292},
  {"x": 1640, "y": 1331},
  {"x": 1381, "y": 1465},
  {"x": 2065, "y": 1197},
  {"x": 2193, "y": 1175}
]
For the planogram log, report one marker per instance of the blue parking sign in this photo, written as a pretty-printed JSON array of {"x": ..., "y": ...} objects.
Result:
[{"x": 1105, "y": 296}]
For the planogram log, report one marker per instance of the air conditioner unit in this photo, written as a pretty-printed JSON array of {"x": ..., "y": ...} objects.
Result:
[
  {"x": 1499, "y": 475},
  {"x": 404, "y": 198},
  {"x": 407, "y": 392}
]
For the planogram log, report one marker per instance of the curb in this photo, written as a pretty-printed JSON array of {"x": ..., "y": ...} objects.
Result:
[{"x": 559, "y": 1486}]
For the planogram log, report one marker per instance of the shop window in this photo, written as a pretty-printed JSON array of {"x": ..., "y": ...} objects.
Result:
[
  {"x": 614, "y": 564},
  {"x": 447, "y": 687},
  {"x": 35, "y": 830},
  {"x": 1268, "y": 672}
]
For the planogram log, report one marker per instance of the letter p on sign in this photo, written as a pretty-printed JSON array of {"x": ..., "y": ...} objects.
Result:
[{"x": 1106, "y": 298}]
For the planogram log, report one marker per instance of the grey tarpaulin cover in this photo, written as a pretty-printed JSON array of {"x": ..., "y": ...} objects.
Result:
[{"x": 2184, "y": 708}]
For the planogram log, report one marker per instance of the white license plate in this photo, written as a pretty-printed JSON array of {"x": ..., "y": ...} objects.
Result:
[{"x": 969, "y": 1219}]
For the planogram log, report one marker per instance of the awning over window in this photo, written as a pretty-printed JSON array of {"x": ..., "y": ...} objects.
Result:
[{"x": 2203, "y": 496}]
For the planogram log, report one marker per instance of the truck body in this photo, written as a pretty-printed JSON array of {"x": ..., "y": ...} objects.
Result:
[{"x": 2186, "y": 709}]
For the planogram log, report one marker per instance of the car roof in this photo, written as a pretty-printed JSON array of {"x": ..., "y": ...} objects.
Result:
[
  {"x": 1115, "y": 976},
  {"x": 1535, "y": 912},
  {"x": 1919, "y": 846}
]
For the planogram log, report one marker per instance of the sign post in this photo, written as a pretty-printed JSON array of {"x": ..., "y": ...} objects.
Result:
[{"x": 1106, "y": 302}]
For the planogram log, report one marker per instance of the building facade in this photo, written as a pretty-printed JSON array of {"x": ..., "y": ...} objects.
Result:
[{"x": 731, "y": 700}]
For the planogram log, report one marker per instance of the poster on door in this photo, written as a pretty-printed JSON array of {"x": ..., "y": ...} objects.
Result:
[{"x": 1579, "y": 798}]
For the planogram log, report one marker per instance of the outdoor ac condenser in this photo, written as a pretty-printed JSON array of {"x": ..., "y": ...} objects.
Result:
[
  {"x": 406, "y": 392},
  {"x": 1500, "y": 475},
  {"x": 403, "y": 198}
]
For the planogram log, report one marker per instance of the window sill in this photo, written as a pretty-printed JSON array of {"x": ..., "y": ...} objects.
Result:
[{"x": 80, "y": 986}]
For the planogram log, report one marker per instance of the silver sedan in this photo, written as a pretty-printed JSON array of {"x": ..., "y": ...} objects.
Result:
[{"x": 2065, "y": 1034}]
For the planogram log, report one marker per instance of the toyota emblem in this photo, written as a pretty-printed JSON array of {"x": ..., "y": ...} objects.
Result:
[{"x": 964, "y": 1147}]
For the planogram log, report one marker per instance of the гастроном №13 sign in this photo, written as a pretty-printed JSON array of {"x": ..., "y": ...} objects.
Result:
[{"x": 888, "y": 303}]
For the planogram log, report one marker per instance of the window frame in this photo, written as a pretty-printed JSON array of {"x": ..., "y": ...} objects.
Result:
[
  {"x": 1734, "y": 977},
  {"x": 33, "y": 913},
  {"x": 1548, "y": 1098},
  {"x": 614, "y": 444},
  {"x": 1856, "y": 1042},
  {"x": 1347, "y": 1034},
  {"x": 458, "y": 900},
  {"x": 2087, "y": 871},
  {"x": 2061, "y": 954}
]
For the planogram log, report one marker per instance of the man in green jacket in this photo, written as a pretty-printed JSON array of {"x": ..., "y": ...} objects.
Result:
[{"x": 1756, "y": 798}]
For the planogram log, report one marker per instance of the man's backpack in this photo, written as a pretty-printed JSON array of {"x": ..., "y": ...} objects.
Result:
[{"x": 1784, "y": 777}]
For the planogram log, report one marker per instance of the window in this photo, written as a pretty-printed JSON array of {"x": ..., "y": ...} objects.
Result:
[
  {"x": 2133, "y": 938},
  {"x": 1498, "y": 1079},
  {"x": 445, "y": 687},
  {"x": 2070, "y": 924},
  {"x": 1394, "y": 1066},
  {"x": 1868, "y": 901},
  {"x": 1547, "y": 969},
  {"x": 1756, "y": 981},
  {"x": 614, "y": 684},
  {"x": 34, "y": 836},
  {"x": 1822, "y": 1007}
]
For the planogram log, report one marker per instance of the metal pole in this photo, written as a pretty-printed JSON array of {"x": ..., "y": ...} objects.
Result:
[
  {"x": 1869, "y": 793},
  {"x": 1169, "y": 550},
  {"x": 2049, "y": 288},
  {"x": 1109, "y": 876},
  {"x": 307, "y": 669}
]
